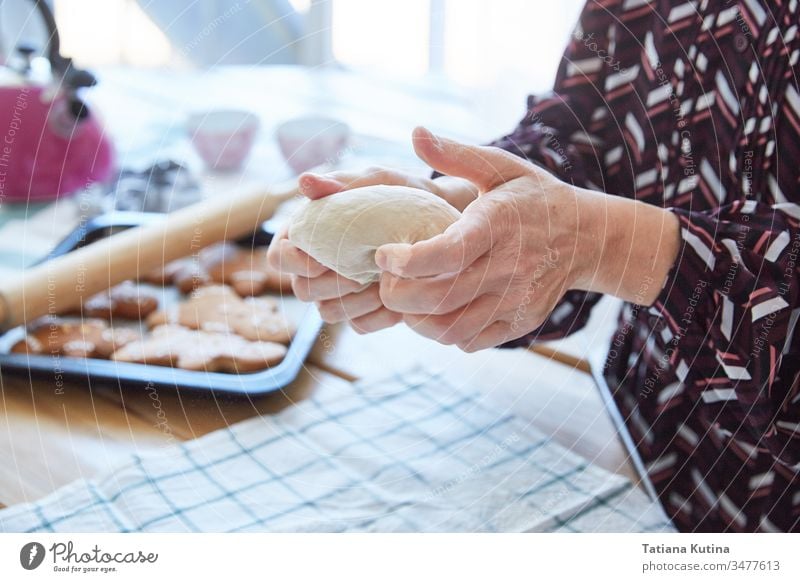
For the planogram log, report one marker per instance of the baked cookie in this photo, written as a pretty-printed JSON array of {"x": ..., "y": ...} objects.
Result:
[
  {"x": 219, "y": 309},
  {"x": 91, "y": 338},
  {"x": 245, "y": 270},
  {"x": 126, "y": 301},
  {"x": 176, "y": 346},
  {"x": 185, "y": 274}
]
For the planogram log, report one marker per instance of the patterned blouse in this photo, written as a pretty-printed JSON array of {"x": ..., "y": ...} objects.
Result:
[{"x": 694, "y": 106}]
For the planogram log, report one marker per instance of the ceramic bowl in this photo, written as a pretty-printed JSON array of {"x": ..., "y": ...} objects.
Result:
[
  {"x": 307, "y": 142},
  {"x": 223, "y": 138}
]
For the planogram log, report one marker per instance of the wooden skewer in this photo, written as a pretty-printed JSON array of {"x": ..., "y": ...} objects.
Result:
[{"x": 63, "y": 283}]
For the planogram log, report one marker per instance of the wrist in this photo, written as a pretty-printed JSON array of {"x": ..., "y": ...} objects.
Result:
[
  {"x": 587, "y": 237},
  {"x": 625, "y": 248}
]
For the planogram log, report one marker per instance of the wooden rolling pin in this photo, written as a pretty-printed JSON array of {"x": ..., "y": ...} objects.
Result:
[{"x": 63, "y": 283}]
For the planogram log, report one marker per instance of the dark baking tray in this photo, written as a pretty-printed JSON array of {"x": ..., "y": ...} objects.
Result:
[{"x": 127, "y": 374}]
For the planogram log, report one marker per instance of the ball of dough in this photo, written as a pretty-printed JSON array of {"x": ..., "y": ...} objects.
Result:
[{"x": 343, "y": 231}]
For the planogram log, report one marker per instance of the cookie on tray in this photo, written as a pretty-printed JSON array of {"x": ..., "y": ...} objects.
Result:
[
  {"x": 186, "y": 274},
  {"x": 189, "y": 349},
  {"x": 90, "y": 338},
  {"x": 125, "y": 301},
  {"x": 219, "y": 309},
  {"x": 245, "y": 270}
]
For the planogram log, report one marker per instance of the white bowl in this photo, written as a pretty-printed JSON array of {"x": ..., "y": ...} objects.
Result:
[
  {"x": 223, "y": 137},
  {"x": 307, "y": 142}
]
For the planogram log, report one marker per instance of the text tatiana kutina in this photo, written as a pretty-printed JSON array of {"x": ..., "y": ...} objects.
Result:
[{"x": 690, "y": 549}]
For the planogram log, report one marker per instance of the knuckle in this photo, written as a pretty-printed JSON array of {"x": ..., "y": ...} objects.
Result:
[
  {"x": 443, "y": 303},
  {"x": 379, "y": 319},
  {"x": 462, "y": 329},
  {"x": 389, "y": 295},
  {"x": 366, "y": 324},
  {"x": 451, "y": 335},
  {"x": 414, "y": 322},
  {"x": 465, "y": 346},
  {"x": 357, "y": 327},
  {"x": 329, "y": 311},
  {"x": 314, "y": 269},
  {"x": 300, "y": 289},
  {"x": 345, "y": 286},
  {"x": 370, "y": 302}
]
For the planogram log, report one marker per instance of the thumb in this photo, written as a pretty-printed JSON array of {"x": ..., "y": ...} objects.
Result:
[
  {"x": 486, "y": 167},
  {"x": 454, "y": 250}
]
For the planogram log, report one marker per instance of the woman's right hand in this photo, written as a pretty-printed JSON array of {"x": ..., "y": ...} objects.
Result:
[{"x": 338, "y": 298}]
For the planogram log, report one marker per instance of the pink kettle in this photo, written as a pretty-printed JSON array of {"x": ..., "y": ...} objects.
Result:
[{"x": 51, "y": 143}]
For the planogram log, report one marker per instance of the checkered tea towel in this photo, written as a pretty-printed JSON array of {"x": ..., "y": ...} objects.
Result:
[{"x": 408, "y": 453}]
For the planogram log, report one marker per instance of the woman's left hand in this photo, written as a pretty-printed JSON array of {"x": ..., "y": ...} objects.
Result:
[{"x": 498, "y": 272}]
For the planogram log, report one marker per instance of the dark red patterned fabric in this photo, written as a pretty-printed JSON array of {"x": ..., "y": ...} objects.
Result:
[{"x": 694, "y": 106}]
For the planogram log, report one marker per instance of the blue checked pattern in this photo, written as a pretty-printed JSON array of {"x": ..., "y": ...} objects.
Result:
[{"x": 408, "y": 453}]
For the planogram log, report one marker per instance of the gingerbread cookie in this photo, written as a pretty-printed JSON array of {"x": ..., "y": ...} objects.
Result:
[
  {"x": 126, "y": 301},
  {"x": 176, "y": 346},
  {"x": 91, "y": 338},
  {"x": 186, "y": 274},
  {"x": 219, "y": 309},
  {"x": 246, "y": 271}
]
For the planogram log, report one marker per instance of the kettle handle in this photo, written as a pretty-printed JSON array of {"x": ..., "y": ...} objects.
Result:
[
  {"x": 57, "y": 62},
  {"x": 73, "y": 78}
]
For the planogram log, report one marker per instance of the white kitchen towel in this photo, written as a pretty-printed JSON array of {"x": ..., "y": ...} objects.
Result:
[{"x": 408, "y": 453}]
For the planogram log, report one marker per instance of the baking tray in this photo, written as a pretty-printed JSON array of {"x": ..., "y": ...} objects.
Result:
[{"x": 60, "y": 368}]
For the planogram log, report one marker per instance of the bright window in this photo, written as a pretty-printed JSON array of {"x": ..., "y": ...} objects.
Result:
[
  {"x": 111, "y": 32},
  {"x": 507, "y": 46},
  {"x": 391, "y": 37}
]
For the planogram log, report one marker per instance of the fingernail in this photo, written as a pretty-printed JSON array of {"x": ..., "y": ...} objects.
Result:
[
  {"x": 307, "y": 182},
  {"x": 393, "y": 257},
  {"x": 308, "y": 179}
]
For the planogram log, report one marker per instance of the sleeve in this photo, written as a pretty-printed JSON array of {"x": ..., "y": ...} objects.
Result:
[
  {"x": 730, "y": 305},
  {"x": 562, "y": 132}
]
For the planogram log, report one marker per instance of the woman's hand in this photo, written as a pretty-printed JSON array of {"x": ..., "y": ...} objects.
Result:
[
  {"x": 338, "y": 298},
  {"x": 498, "y": 272},
  {"x": 457, "y": 191}
]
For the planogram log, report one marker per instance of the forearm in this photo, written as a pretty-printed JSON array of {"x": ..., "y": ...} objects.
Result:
[{"x": 624, "y": 247}]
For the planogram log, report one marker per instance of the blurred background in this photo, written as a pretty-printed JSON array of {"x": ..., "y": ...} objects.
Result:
[
  {"x": 506, "y": 48},
  {"x": 259, "y": 90}
]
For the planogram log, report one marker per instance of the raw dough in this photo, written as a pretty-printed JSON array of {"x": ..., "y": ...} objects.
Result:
[{"x": 343, "y": 231}]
